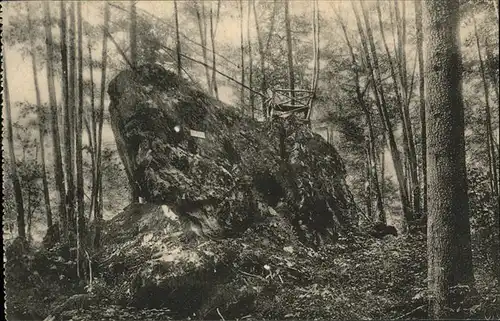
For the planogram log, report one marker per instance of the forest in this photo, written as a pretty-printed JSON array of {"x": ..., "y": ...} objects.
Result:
[{"x": 251, "y": 160}]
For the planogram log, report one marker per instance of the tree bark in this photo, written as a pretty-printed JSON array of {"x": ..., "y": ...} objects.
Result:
[
  {"x": 421, "y": 88},
  {"x": 18, "y": 194},
  {"x": 41, "y": 125},
  {"x": 58, "y": 167},
  {"x": 449, "y": 256}
]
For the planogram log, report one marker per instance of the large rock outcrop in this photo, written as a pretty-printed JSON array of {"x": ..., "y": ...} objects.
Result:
[
  {"x": 237, "y": 172},
  {"x": 233, "y": 206}
]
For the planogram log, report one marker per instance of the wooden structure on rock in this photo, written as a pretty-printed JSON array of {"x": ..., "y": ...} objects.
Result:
[{"x": 282, "y": 103}]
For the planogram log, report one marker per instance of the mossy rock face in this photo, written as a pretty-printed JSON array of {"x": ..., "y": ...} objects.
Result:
[{"x": 226, "y": 180}]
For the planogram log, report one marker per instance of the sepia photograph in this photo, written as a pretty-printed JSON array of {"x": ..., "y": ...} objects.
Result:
[{"x": 250, "y": 160}]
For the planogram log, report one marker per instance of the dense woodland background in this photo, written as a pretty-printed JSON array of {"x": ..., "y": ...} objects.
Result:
[{"x": 364, "y": 61}]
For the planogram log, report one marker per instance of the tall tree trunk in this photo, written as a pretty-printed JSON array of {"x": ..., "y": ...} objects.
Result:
[
  {"x": 263, "y": 84},
  {"x": 271, "y": 28},
  {"x": 250, "y": 63},
  {"x": 18, "y": 194},
  {"x": 408, "y": 128},
  {"x": 316, "y": 60},
  {"x": 291, "y": 76},
  {"x": 242, "y": 49},
  {"x": 58, "y": 167},
  {"x": 421, "y": 88},
  {"x": 372, "y": 158},
  {"x": 177, "y": 40},
  {"x": 492, "y": 70},
  {"x": 41, "y": 125},
  {"x": 98, "y": 201},
  {"x": 492, "y": 160},
  {"x": 70, "y": 124},
  {"x": 133, "y": 33},
  {"x": 80, "y": 227},
  {"x": 202, "y": 29},
  {"x": 402, "y": 100},
  {"x": 376, "y": 78},
  {"x": 212, "y": 37},
  {"x": 62, "y": 111},
  {"x": 489, "y": 132},
  {"x": 93, "y": 195},
  {"x": 449, "y": 256}
]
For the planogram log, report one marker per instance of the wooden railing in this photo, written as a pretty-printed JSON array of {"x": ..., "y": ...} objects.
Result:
[{"x": 281, "y": 102}]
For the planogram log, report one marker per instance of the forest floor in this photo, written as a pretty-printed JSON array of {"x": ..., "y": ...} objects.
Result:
[{"x": 369, "y": 279}]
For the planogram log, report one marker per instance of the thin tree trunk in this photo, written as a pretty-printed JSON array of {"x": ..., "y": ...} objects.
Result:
[
  {"x": 30, "y": 216},
  {"x": 492, "y": 160},
  {"x": 133, "y": 33},
  {"x": 93, "y": 196},
  {"x": 202, "y": 29},
  {"x": 316, "y": 60},
  {"x": 402, "y": 100},
  {"x": 98, "y": 201},
  {"x": 242, "y": 48},
  {"x": 62, "y": 110},
  {"x": 250, "y": 62},
  {"x": 263, "y": 84},
  {"x": 408, "y": 89},
  {"x": 80, "y": 227},
  {"x": 291, "y": 76},
  {"x": 491, "y": 71},
  {"x": 271, "y": 28},
  {"x": 18, "y": 194},
  {"x": 41, "y": 125},
  {"x": 489, "y": 132},
  {"x": 382, "y": 170},
  {"x": 376, "y": 78},
  {"x": 212, "y": 37},
  {"x": 177, "y": 40},
  {"x": 371, "y": 135},
  {"x": 70, "y": 127},
  {"x": 449, "y": 256},
  {"x": 369, "y": 181},
  {"x": 421, "y": 87},
  {"x": 58, "y": 167}
]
